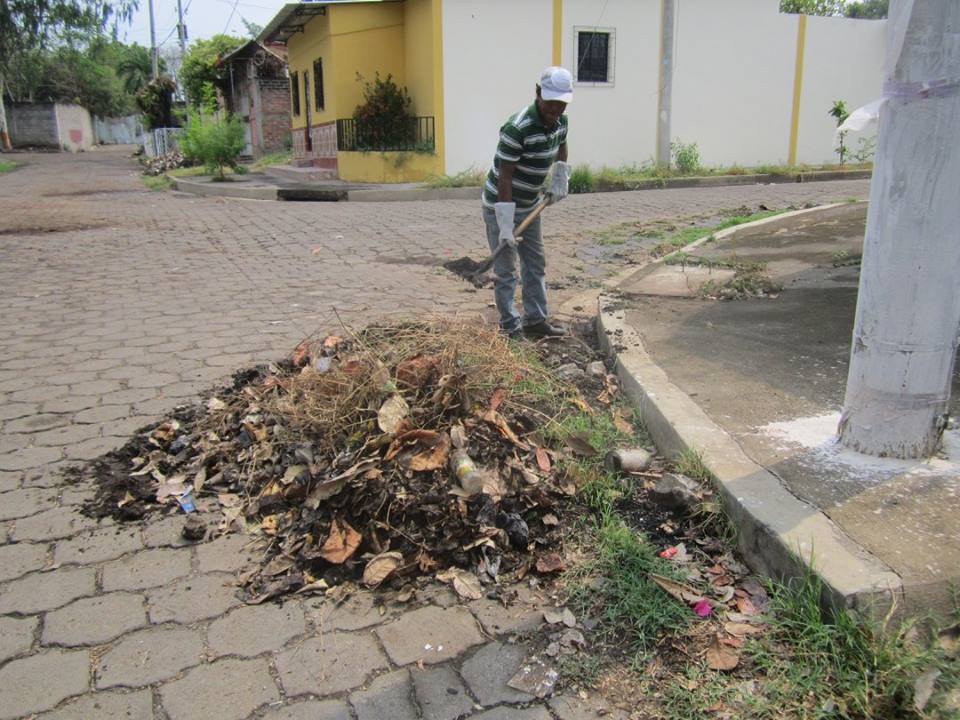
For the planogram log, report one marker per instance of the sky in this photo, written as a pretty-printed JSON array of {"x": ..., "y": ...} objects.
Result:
[{"x": 203, "y": 18}]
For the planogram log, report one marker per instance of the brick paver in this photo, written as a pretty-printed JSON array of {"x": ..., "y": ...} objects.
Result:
[{"x": 118, "y": 305}]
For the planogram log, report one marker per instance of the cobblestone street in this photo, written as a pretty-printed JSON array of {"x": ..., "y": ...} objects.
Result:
[{"x": 120, "y": 303}]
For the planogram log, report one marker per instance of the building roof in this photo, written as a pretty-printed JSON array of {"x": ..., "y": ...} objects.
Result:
[
  {"x": 276, "y": 50},
  {"x": 292, "y": 17}
]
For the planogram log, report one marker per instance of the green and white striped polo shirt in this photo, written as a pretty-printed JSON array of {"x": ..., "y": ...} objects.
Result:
[{"x": 525, "y": 141}]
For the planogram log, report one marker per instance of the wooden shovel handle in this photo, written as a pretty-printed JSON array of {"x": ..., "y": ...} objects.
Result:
[{"x": 534, "y": 214}]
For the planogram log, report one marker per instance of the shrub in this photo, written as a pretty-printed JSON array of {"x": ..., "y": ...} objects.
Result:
[
  {"x": 582, "y": 179},
  {"x": 686, "y": 156},
  {"x": 155, "y": 101},
  {"x": 214, "y": 143},
  {"x": 384, "y": 120}
]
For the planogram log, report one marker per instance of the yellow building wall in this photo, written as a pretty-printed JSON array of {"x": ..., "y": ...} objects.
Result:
[
  {"x": 398, "y": 39},
  {"x": 386, "y": 167},
  {"x": 418, "y": 54},
  {"x": 302, "y": 49}
]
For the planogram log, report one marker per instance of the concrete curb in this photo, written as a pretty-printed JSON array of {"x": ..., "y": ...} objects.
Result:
[
  {"x": 779, "y": 534},
  {"x": 255, "y": 192},
  {"x": 304, "y": 192}
]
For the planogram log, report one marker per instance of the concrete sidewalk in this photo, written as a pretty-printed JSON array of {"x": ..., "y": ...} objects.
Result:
[{"x": 757, "y": 386}]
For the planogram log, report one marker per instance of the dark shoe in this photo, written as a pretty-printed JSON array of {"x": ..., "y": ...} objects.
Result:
[
  {"x": 515, "y": 334},
  {"x": 544, "y": 329}
]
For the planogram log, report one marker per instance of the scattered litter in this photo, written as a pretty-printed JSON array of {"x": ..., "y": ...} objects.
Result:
[
  {"x": 628, "y": 460},
  {"x": 395, "y": 453},
  {"x": 535, "y": 678}
]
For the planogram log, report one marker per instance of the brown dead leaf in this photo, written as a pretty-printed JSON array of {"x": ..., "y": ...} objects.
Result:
[
  {"x": 410, "y": 439},
  {"x": 621, "y": 423},
  {"x": 746, "y": 606},
  {"x": 332, "y": 341},
  {"x": 341, "y": 544},
  {"x": 433, "y": 458},
  {"x": 543, "y": 459},
  {"x": 467, "y": 585},
  {"x": 683, "y": 593},
  {"x": 301, "y": 354},
  {"x": 380, "y": 568},
  {"x": 579, "y": 442},
  {"x": 392, "y": 413},
  {"x": 497, "y": 398},
  {"x": 500, "y": 423},
  {"x": 550, "y": 519},
  {"x": 417, "y": 370},
  {"x": 550, "y": 563},
  {"x": 741, "y": 629},
  {"x": 721, "y": 657}
]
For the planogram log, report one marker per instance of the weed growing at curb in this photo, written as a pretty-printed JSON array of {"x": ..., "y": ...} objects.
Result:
[
  {"x": 156, "y": 182},
  {"x": 7, "y": 165},
  {"x": 470, "y": 177}
]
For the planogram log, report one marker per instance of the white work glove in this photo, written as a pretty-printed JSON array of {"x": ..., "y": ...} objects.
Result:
[
  {"x": 505, "y": 212},
  {"x": 559, "y": 182}
]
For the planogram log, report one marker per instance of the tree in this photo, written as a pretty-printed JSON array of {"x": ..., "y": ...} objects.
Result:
[
  {"x": 844, "y": 8},
  {"x": 813, "y": 7},
  {"x": 252, "y": 28},
  {"x": 869, "y": 9},
  {"x": 135, "y": 68},
  {"x": 30, "y": 25},
  {"x": 201, "y": 72}
]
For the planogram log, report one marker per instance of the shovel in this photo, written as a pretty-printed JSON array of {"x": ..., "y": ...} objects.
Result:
[{"x": 472, "y": 271}]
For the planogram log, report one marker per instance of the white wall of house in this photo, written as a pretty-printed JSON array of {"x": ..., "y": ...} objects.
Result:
[
  {"x": 733, "y": 80},
  {"x": 493, "y": 53},
  {"x": 615, "y": 123},
  {"x": 843, "y": 61}
]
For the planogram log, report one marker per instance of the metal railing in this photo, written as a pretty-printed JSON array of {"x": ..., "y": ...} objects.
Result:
[
  {"x": 406, "y": 134},
  {"x": 161, "y": 141}
]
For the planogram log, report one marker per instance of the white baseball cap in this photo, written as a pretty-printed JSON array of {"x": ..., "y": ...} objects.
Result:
[{"x": 556, "y": 83}]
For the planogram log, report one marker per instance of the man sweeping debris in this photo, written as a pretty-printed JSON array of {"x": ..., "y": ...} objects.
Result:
[{"x": 531, "y": 141}]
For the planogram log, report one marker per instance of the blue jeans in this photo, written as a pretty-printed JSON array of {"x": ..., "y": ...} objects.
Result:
[{"x": 533, "y": 264}]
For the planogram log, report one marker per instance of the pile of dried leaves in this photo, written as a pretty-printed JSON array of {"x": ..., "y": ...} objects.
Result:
[
  {"x": 162, "y": 163},
  {"x": 401, "y": 451}
]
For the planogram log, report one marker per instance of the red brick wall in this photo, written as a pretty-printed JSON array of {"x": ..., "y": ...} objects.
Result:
[{"x": 275, "y": 110}]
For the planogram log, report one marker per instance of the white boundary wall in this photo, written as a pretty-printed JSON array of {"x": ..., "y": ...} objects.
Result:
[
  {"x": 733, "y": 84},
  {"x": 615, "y": 124},
  {"x": 493, "y": 53},
  {"x": 733, "y": 80},
  {"x": 843, "y": 61}
]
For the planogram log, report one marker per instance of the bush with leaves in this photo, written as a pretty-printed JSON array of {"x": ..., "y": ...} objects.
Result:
[
  {"x": 216, "y": 144},
  {"x": 384, "y": 120},
  {"x": 201, "y": 71},
  {"x": 686, "y": 156},
  {"x": 840, "y": 113},
  {"x": 155, "y": 101}
]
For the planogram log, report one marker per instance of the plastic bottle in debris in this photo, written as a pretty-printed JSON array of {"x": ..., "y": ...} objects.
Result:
[{"x": 466, "y": 472}]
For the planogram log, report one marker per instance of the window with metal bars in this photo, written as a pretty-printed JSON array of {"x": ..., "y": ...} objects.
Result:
[
  {"x": 318, "y": 84},
  {"x": 295, "y": 92},
  {"x": 593, "y": 56}
]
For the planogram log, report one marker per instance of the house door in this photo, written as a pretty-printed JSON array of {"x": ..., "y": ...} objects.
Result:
[
  {"x": 308, "y": 142},
  {"x": 244, "y": 112}
]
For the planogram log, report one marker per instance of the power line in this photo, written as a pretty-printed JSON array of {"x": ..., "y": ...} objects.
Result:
[{"x": 231, "y": 16}]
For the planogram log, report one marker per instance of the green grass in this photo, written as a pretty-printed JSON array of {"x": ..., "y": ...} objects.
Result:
[
  {"x": 7, "y": 165},
  {"x": 156, "y": 182},
  {"x": 467, "y": 178},
  {"x": 585, "y": 179},
  {"x": 277, "y": 158},
  {"x": 818, "y": 663},
  {"x": 692, "y": 234}
]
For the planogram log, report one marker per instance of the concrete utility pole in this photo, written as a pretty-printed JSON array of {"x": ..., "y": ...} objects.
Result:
[
  {"x": 181, "y": 28},
  {"x": 153, "y": 44},
  {"x": 668, "y": 13},
  {"x": 908, "y": 307}
]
